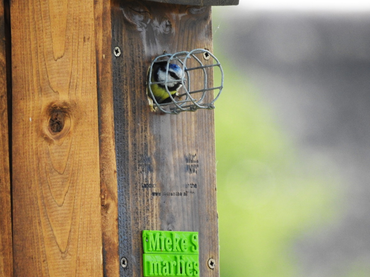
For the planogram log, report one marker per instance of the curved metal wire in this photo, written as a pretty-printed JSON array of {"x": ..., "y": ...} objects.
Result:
[{"x": 188, "y": 97}]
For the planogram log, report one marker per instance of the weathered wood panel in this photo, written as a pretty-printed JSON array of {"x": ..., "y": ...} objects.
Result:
[
  {"x": 165, "y": 163},
  {"x": 199, "y": 2},
  {"x": 56, "y": 184},
  {"x": 6, "y": 257},
  {"x": 108, "y": 169}
]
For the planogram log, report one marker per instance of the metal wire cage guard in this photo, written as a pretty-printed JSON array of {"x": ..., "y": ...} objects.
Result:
[{"x": 196, "y": 90}]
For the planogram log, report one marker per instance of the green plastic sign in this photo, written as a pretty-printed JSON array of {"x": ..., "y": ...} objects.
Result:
[{"x": 170, "y": 253}]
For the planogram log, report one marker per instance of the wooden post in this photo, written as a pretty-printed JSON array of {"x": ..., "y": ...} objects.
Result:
[
  {"x": 6, "y": 252},
  {"x": 92, "y": 165}
]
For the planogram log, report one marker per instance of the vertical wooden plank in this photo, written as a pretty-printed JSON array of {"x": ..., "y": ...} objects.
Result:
[
  {"x": 6, "y": 256},
  {"x": 156, "y": 188},
  {"x": 108, "y": 169},
  {"x": 56, "y": 187}
]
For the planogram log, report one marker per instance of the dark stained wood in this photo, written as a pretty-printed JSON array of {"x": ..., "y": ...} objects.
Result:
[
  {"x": 108, "y": 169},
  {"x": 6, "y": 248},
  {"x": 199, "y": 2},
  {"x": 156, "y": 188},
  {"x": 55, "y": 152}
]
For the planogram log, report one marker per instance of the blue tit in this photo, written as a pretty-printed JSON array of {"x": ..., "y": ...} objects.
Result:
[{"x": 161, "y": 88}]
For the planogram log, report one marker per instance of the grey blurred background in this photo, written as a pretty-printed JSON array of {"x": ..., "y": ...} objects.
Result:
[{"x": 311, "y": 70}]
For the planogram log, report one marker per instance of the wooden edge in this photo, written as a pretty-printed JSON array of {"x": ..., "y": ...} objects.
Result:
[
  {"x": 199, "y": 2},
  {"x": 6, "y": 247},
  {"x": 108, "y": 171}
]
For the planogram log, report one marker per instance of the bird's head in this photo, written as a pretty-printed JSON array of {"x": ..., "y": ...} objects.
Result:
[{"x": 174, "y": 76}]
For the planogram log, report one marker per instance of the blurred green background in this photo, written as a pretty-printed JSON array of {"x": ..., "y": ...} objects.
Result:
[{"x": 269, "y": 195}]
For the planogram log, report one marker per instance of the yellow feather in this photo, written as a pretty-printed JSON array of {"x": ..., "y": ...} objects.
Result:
[{"x": 160, "y": 93}]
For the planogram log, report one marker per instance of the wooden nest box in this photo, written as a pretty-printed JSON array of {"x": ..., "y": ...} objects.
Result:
[{"x": 85, "y": 166}]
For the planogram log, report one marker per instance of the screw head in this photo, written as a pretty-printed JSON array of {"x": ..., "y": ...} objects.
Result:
[
  {"x": 117, "y": 51},
  {"x": 206, "y": 55},
  {"x": 124, "y": 262},
  {"x": 211, "y": 263}
]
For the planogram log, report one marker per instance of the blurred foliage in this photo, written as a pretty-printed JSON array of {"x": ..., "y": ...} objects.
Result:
[{"x": 268, "y": 196}]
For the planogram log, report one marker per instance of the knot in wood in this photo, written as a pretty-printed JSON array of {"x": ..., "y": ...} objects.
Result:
[{"x": 56, "y": 122}]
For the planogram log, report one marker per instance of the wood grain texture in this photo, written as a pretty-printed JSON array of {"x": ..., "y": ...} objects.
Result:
[
  {"x": 165, "y": 163},
  {"x": 55, "y": 185},
  {"x": 6, "y": 247},
  {"x": 108, "y": 169},
  {"x": 199, "y": 2}
]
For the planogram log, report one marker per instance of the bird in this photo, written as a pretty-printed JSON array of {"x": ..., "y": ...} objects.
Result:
[{"x": 160, "y": 87}]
